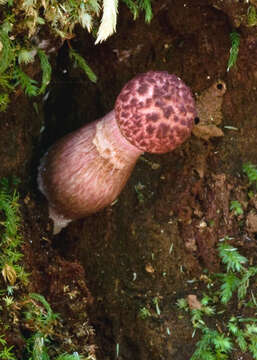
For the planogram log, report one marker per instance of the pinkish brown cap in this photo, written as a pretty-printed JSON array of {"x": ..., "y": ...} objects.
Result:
[{"x": 155, "y": 111}]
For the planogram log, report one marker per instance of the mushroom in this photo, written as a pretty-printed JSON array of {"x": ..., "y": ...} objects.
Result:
[{"x": 86, "y": 170}]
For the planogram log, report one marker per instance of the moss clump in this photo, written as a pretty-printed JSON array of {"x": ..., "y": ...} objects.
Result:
[{"x": 31, "y": 28}]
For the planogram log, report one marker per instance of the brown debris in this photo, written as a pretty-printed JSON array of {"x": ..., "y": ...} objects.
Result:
[
  {"x": 251, "y": 222},
  {"x": 209, "y": 105},
  {"x": 193, "y": 302}
]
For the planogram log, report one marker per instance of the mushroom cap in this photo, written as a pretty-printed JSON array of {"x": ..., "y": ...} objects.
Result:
[{"x": 155, "y": 111}]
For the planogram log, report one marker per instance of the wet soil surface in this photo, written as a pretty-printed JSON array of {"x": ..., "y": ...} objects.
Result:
[{"x": 164, "y": 228}]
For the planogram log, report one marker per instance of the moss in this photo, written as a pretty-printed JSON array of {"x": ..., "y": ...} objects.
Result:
[{"x": 29, "y": 27}]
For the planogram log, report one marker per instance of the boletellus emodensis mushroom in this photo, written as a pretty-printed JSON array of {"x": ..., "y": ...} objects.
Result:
[{"x": 86, "y": 170}]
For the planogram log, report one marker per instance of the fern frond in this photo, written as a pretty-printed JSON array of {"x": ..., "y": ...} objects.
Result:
[
  {"x": 251, "y": 329},
  {"x": 50, "y": 316},
  {"x": 109, "y": 20},
  {"x": 222, "y": 343},
  {"x": 229, "y": 285},
  {"x": 244, "y": 282},
  {"x": 27, "y": 84},
  {"x": 83, "y": 65},
  {"x": 25, "y": 56},
  {"x": 133, "y": 7},
  {"x": 196, "y": 318},
  {"x": 147, "y": 7},
  {"x": 240, "y": 339},
  {"x": 253, "y": 347},
  {"x": 206, "y": 354},
  {"x": 233, "y": 328},
  {"x": 231, "y": 257},
  {"x": 46, "y": 69}
]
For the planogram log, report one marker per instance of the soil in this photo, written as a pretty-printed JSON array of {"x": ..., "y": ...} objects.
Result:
[{"x": 163, "y": 230}]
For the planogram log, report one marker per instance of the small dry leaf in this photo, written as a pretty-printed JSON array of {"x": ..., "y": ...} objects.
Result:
[
  {"x": 193, "y": 302},
  {"x": 9, "y": 274},
  {"x": 251, "y": 222},
  {"x": 149, "y": 268}
]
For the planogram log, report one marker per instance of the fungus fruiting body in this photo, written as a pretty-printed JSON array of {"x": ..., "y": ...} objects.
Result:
[{"x": 86, "y": 170}]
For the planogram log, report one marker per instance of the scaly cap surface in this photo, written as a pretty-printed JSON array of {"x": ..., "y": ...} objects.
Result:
[{"x": 155, "y": 111}]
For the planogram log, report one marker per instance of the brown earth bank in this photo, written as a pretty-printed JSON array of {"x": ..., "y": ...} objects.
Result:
[{"x": 165, "y": 226}]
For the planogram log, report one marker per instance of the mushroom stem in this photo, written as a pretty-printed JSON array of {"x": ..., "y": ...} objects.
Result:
[{"x": 86, "y": 170}]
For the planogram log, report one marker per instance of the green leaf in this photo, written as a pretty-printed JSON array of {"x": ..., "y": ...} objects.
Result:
[
  {"x": 251, "y": 171},
  {"x": 6, "y": 53},
  {"x": 251, "y": 16},
  {"x": 236, "y": 207},
  {"x": 235, "y": 42}
]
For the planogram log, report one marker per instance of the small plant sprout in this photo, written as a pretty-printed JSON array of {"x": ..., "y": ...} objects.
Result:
[
  {"x": 251, "y": 16},
  {"x": 144, "y": 313},
  {"x": 139, "y": 191},
  {"x": 231, "y": 257},
  {"x": 8, "y": 300},
  {"x": 117, "y": 350},
  {"x": 236, "y": 207},
  {"x": 156, "y": 303},
  {"x": 182, "y": 304},
  {"x": 171, "y": 248},
  {"x": 7, "y": 354},
  {"x": 251, "y": 171}
]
